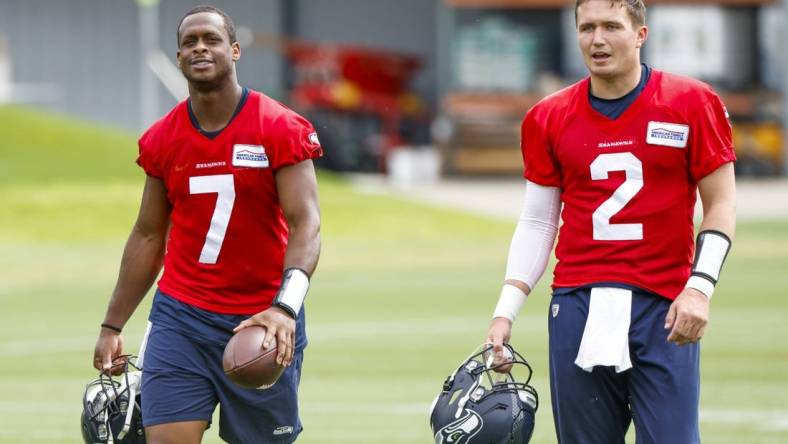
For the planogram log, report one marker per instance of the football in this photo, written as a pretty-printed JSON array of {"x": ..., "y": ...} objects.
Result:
[{"x": 247, "y": 363}]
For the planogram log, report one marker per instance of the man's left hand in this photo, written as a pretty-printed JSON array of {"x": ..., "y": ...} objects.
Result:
[
  {"x": 279, "y": 326},
  {"x": 687, "y": 317}
]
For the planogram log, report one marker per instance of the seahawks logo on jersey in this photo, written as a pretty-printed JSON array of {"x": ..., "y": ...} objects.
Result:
[{"x": 460, "y": 431}]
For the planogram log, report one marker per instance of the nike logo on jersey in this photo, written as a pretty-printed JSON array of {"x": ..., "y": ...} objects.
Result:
[
  {"x": 252, "y": 156},
  {"x": 667, "y": 134}
]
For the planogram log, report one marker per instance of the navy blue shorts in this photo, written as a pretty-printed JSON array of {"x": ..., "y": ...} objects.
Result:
[
  {"x": 183, "y": 379},
  {"x": 660, "y": 393}
]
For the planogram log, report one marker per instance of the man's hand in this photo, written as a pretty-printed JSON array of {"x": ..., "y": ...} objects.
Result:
[
  {"x": 687, "y": 317},
  {"x": 500, "y": 332},
  {"x": 109, "y": 347},
  {"x": 278, "y": 325}
]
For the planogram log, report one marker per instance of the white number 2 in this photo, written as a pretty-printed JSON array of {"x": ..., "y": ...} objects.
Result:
[
  {"x": 633, "y": 170},
  {"x": 224, "y": 185}
]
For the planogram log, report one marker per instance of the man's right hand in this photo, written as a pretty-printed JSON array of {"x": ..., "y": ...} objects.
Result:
[
  {"x": 109, "y": 347},
  {"x": 500, "y": 333}
]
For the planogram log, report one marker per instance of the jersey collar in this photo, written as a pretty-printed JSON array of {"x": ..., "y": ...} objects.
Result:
[
  {"x": 214, "y": 134},
  {"x": 631, "y": 112}
]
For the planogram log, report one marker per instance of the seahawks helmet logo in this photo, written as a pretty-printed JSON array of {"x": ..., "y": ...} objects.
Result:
[{"x": 460, "y": 431}]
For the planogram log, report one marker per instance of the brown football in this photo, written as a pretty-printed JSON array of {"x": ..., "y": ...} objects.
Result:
[{"x": 247, "y": 363}]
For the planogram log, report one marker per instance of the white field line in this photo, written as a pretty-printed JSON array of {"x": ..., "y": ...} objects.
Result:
[
  {"x": 27, "y": 347},
  {"x": 377, "y": 329},
  {"x": 356, "y": 408},
  {"x": 317, "y": 333},
  {"x": 767, "y": 420},
  {"x": 772, "y": 420}
]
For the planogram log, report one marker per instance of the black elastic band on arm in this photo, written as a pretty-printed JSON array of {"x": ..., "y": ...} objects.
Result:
[{"x": 112, "y": 327}]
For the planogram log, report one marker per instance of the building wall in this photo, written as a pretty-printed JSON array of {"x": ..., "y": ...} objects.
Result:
[
  {"x": 84, "y": 57},
  {"x": 85, "y": 51}
]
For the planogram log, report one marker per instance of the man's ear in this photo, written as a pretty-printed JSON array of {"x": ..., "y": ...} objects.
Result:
[
  {"x": 236, "y": 49},
  {"x": 642, "y": 36}
]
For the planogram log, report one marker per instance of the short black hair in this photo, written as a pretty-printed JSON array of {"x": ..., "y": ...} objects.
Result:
[{"x": 229, "y": 26}]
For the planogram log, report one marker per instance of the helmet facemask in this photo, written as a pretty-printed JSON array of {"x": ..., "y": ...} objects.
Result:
[{"x": 111, "y": 410}]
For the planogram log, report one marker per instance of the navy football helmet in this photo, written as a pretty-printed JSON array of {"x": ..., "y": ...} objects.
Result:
[
  {"x": 481, "y": 406},
  {"x": 111, "y": 408}
]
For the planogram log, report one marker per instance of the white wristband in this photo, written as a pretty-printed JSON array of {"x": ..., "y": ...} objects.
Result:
[
  {"x": 701, "y": 284},
  {"x": 711, "y": 249},
  {"x": 292, "y": 293},
  {"x": 510, "y": 302}
]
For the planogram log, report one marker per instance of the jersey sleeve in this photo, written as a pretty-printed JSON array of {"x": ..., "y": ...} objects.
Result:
[
  {"x": 149, "y": 156},
  {"x": 295, "y": 141},
  {"x": 711, "y": 140},
  {"x": 541, "y": 166}
]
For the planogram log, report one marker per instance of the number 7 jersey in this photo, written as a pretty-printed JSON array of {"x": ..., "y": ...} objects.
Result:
[
  {"x": 628, "y": 185},
  {"x": 228, "y": 235}
]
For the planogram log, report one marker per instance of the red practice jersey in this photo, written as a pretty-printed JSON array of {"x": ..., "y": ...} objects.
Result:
[
  {"x": 227, "y": 239},
  {"x": 628, "y": 185}
]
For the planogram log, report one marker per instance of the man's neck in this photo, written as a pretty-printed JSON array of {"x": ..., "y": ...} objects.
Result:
[
  {"x": 616, "y": 87},
  {"x": 214, "y": 109}
]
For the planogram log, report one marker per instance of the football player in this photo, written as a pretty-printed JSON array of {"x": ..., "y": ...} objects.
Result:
[
  {"x": 624, "y": 151},
  {"x": 230, "y": 209}
]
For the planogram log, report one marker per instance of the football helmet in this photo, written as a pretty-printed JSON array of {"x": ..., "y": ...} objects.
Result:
[
  {"x": 111, "y": 407},
  {"x": 478, "y": 405}
]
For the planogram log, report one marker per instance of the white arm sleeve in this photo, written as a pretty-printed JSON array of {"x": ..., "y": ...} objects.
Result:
[
  {"x": 535, "y": 234},
  {"x": 531, "y": 246}
]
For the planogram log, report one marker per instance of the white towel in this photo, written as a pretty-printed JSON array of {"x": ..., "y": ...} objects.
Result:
[{"x": 606, "y": 335}]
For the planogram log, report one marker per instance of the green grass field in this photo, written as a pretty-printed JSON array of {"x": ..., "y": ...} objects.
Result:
[{"x": 402, "y": 293}]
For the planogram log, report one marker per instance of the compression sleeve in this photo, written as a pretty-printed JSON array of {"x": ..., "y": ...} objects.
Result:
[
  {"x": 531, "y": 244},
  {"x": 535, "y": 234}
]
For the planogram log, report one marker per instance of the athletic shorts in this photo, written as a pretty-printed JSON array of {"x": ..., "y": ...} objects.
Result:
[
  {"x": 183, "y": 379},
  {"x": 660, "y": 393}
]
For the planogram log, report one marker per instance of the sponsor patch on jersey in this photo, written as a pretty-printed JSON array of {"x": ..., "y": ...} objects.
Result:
[
  {"x": 252, "y": 156},
  {"x": 667, "y": 134},
  {"x": 313, "y": 139}
]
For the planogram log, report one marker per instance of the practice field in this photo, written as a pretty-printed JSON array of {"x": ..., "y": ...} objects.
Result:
[{"x": 402, "y": 293}]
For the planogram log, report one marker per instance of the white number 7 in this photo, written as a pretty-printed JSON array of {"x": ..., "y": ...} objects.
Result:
[
  {"x": 633, "y": 170},
  {"x": 224, "y": 185}
]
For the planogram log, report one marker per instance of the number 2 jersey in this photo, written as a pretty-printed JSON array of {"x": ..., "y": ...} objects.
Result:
[
  {"x": 228, "y": 235},
  {"x": 628, "y": 185}
]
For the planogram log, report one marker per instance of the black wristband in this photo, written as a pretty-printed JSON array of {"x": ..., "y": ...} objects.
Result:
[{"x": 112, "y": 327}]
